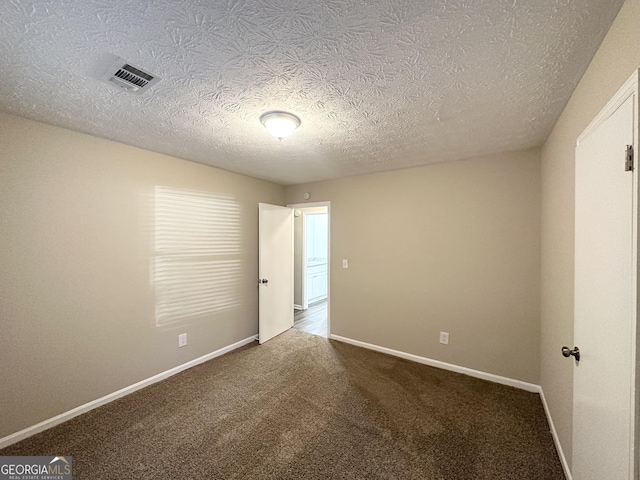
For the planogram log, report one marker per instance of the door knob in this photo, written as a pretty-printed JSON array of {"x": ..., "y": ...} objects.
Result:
[
  {"x": 567, "y": 352},
  {"x": 263, "y": 280}
]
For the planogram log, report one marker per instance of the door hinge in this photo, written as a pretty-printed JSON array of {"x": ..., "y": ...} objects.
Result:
[{"x": 628, "y": 160}]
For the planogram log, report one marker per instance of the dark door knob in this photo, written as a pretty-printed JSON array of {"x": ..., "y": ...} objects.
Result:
[
  {"x": 567, "y": 352},
  {"x": 263, "y": 280}
]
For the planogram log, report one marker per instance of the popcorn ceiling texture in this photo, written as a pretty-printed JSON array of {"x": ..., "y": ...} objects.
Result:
[{"x": 378, "y": 84}]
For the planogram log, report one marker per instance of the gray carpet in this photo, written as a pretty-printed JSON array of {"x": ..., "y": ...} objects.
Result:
[{"x": 304, "y": 407}]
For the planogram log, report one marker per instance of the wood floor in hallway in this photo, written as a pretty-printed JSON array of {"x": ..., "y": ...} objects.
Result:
[{"x": 312, "y": 320}]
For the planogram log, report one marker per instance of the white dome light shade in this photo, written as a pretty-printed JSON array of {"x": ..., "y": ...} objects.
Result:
[{"x": 280, "y": 124}]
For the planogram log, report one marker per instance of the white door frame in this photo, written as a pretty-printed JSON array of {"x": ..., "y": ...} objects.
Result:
[
  {"x": 304, "y": 268},
  {"x": 630, "y": 88}
]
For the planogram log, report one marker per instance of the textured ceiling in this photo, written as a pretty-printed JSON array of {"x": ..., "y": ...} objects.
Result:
[{"x": 378, "y": 84}]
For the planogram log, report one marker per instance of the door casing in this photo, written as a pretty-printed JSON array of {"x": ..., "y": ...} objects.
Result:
[{"x": 311, "y": 205}]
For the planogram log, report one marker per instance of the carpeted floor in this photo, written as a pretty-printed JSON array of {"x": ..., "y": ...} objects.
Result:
[{"x": 303, "y": 407}]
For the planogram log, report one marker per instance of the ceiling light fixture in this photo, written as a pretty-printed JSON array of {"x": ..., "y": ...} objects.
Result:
[{"x": 280, "y": 124}]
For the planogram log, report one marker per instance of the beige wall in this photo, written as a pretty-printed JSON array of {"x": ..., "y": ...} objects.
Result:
[
  {"x": 76, "y": 300},
  {"x": 614, "y": 63},
  {"x": 449, "y": 247}
]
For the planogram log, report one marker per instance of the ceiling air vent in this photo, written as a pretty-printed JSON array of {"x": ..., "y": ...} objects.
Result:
[{"x": 124, "y": 75}]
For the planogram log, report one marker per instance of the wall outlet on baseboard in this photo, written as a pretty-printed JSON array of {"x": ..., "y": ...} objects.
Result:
[
  {"x": 444, "y": 338},
  {"x": 182, "y": 340}
]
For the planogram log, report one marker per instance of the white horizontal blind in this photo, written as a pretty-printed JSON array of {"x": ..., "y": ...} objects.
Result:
[{"x": 197, "y": 266}]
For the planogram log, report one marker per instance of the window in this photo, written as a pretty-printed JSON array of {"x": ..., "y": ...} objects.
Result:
[{"x": 197, "y": 268}]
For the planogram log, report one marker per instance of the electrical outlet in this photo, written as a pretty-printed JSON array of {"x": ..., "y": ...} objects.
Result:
[
  {"x": 444, "y": 338},
  {"x": 345, "y": 263},
  {"x": 182, "y": 340}
]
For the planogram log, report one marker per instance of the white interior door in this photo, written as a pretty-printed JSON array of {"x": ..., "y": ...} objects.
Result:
[
  {"x": 604, "y": 328},
  {"x": 275, "y": 266}
]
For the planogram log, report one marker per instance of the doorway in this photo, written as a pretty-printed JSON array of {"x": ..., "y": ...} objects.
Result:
[
  {"x": 606, "y": 294},
  {"x": 312, "y": 267}
]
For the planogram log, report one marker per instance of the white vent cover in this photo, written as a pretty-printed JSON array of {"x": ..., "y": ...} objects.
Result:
[{"x": 124, "y": 75}]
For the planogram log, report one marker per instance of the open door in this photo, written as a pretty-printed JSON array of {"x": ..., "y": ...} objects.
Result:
[
  {"x": 605, "y": 297},
  {"x": 275, "y": 265}
]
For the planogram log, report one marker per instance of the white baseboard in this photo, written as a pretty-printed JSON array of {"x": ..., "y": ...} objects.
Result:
[
  {"x": 63, "y": 417},
  {"x": 529, "y": 387},
  {"x": 297, "y": 307},
  {"x": 556, "y": 440}
]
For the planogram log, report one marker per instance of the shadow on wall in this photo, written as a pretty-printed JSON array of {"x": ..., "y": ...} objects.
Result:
[{"x": 197, "y": 267}]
